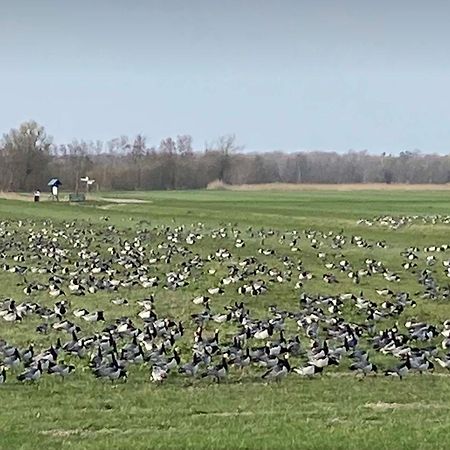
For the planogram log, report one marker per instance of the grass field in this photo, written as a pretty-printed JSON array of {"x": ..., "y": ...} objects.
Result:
[{"x": 335, "y": 410}]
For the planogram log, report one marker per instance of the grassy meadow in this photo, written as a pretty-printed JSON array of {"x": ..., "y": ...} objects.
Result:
[{"x": 337, "y": 410}]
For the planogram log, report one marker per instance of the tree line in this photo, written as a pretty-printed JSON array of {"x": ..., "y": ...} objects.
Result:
[{"x": 29, "y": 158}]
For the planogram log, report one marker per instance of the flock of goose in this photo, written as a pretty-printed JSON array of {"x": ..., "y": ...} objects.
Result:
[
  {"x": 396, "y": 222},
  {"x": 200, "y": 303}
]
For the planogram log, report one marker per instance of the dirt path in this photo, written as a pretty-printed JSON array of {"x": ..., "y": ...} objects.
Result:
[
  {"x": 63, "y": 196},
  {"x": 122, "y": 200}
]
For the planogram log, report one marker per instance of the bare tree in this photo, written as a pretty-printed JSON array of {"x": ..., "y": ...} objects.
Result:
[
  {"x": 138, "y": 150},
  {"x": 26, "y": 153},
  {"x": 224, "y": 147},
  {"x": 78, "y": 153}
]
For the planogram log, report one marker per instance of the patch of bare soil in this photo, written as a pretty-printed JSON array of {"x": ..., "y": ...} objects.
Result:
[{"x": 123, "y": 200}]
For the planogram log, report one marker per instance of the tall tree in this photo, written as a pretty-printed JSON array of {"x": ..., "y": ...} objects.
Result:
[
  {"x": 168, "y": 150},
  {"x": 225, "y": 147},
  {"x": 138, "y": 151},
  {"x": 78, "y": 155},
  {"x": 26, "y": 152}
]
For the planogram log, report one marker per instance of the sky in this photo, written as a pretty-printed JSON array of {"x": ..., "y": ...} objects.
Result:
[{"x": 281, "y": 75}]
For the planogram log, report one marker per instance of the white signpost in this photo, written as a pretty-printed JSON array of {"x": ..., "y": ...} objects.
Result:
[{"x": 88, "y": 182}]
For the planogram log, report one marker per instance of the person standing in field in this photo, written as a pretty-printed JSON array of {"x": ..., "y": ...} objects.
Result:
[{"x": 37, "y": 195}]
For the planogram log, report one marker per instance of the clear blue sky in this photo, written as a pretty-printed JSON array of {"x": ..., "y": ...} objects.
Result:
[{"x": 288, "y": 75}]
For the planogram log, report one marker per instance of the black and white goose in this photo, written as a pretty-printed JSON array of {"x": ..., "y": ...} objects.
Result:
[
  {"x": 3, "y": 375},
  {"x": 55, "y": 291},
  {"x": 363, "y": 366},
  {"x": 12, "y": 360},
  {"x": 444, "y": 362},
  {"x": 279, "y": 371},
  {"x": 61, "y": 369},
  {"x": 308, "y": 371},
  {"x": 400, "y": 371},
  {"x": 159, "y": 374},
  {"x": 264, "y": 333},
  {"x": 191, "y": 369},
  {"x": 219, "y": 371},
  {"x": 96, "y": 316},
  {"x": 242, "y": 361},
  {"x": 32, "y": 374}
]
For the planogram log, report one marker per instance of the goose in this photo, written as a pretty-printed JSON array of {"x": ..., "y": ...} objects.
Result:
[
  {"x": 323, "y": 361},
  {"x": 239, "y": 243},
  {"x": 279, "y": 370},
  {"x": 364, "y": 366},
  {"x": 178, "y": 332},
  {"x": 219, "y": 371},
  {"x": 375, "y": 315},
  {"x": 422, "y": 366},
  {"x": 47, "y": 356},
  {"x": 65, "y": 325},
  {"x": 27, "y": 355},
  {"x": 173, "y": 362},
  {"x": 308, "y": 371},
  {"x": 112, "y": 372},
  {"x": 159, "y": 374},
  {"x": 305, "y": 275},
  {"x": 190, "y": 369},
  {"x": 146, "y": 303},
  {"x": 222, "y": 318},
  {"x": 134, "y": 356},
  {"x": 96, "y": 359},
  {"x": 12, "y": 316},
  {"x": 80, "y": 312},
  {"x": 340, "y": 350},
  {"x": 265, "y": 333},
  {"x": 273, "y": 350},
  {"x": 119, "y": 301},
  {"x": 263, "y": 358},
  {"x": 444, "y": 363},
  {"x": 60, "y": 308},
  {"x": 212, "y": 343},
  {"x": 42, "y": 328},
  {"x": 400, "y": 371},
  {"x": 62, "y": 370},
  {"x": 216, "y": 291},
  {"x": 329, "y": 278},
  {"x": 94, "y": 317},
  {"x": 242, "y": 361},
  {"x": 117, "y": 373},
  {"x": 318, "y": 352},
  {"x": 55, "y": 291},
  {"x": 2, "y": 374},
  {"x": 75, "y": 347},
  {"x": 32, "y": 374},
  {"x": 147, "y": 314},
  {"x": 384, "y": 292},
  {"x": 13, "y": 360},
  {"x": 201, "y": 300}
]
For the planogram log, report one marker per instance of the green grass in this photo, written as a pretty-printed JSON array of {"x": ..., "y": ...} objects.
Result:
[{"x": 333, "y": 411}]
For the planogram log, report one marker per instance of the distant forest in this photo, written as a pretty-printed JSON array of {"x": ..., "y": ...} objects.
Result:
[{"x": 29, "y": 157}]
